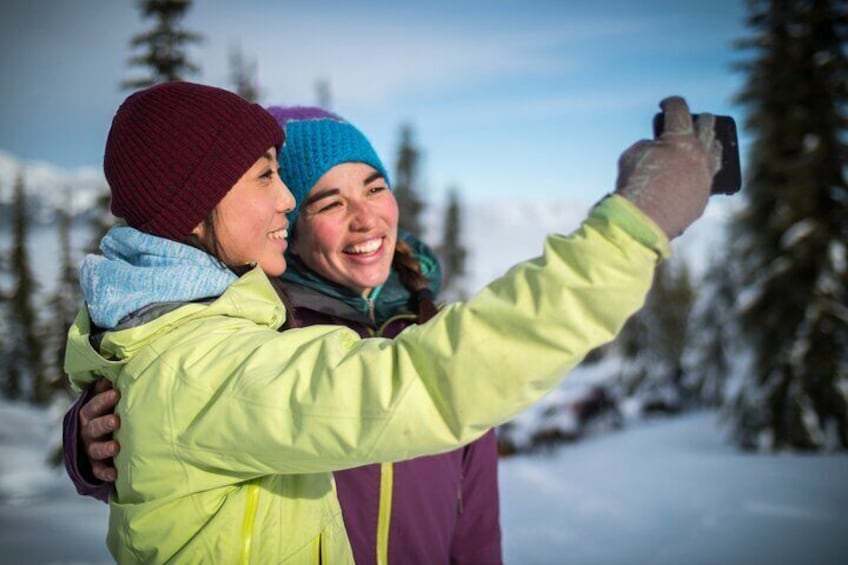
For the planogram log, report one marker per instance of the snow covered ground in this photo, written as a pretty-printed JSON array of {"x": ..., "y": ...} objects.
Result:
[
  {"x": 658, "y": 492},
  {"x": 42, "y": 519},
  {"x": 671, "y": 492}
]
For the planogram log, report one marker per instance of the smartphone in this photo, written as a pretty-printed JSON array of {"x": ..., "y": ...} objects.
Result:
[{"x": 728, "y": 180}]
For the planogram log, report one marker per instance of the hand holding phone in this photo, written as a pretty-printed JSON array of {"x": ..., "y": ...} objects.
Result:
[{"x": 728, "y": 180}]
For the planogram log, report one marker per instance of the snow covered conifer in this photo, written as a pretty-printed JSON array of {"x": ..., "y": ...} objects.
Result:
[
  {"x": 789, "y": 241},
  {"x": 164, "y": 47},
  {"x": 23, "y": 372},
  {"x": 451, "y": 251},
  {"x": 404, "y": 184}
]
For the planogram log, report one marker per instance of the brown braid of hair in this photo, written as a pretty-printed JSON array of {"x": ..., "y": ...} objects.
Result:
[{"x": 409, "y": 271}]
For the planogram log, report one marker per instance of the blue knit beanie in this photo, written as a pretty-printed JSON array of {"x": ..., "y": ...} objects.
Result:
[{"x": 316, "y": 141}]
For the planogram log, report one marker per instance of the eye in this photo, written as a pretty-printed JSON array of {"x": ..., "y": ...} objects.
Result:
[
  {"x": 377, "y": 189},
  {"x": 329, "y": 206},
  {"x": 270, "y": 173}
]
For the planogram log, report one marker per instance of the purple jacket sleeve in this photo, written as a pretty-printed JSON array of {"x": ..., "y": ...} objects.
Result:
[
  {"x": 76, "y": 462},
  {"x": 477, "y": 538}
]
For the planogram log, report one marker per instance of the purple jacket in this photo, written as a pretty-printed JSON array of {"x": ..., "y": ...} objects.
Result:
[{"x": 436, "y": 509}]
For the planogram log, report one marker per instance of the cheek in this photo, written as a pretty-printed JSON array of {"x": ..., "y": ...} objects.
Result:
[
  {"x": 244, "y": 212},
  {"x": 391, "y": 212},
  {"x": 315, "y": 238}
]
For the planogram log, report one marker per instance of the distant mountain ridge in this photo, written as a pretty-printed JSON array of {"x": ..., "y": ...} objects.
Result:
[
  {"x": 49, "y": 187},
  {"x": 496, "y": 233}
]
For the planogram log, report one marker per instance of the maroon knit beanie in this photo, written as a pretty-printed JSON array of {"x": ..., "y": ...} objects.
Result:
[{"x": 176, "y": 149}]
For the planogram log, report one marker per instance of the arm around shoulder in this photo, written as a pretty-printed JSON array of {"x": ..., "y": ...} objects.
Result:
[{"x": 76, "y": 462}]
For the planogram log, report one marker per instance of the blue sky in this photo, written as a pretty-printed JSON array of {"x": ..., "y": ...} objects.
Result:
[{"x": 524, "y": 99}]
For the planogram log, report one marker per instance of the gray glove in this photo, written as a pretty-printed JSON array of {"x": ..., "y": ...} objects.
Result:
[{"x": 669, "y": 178}]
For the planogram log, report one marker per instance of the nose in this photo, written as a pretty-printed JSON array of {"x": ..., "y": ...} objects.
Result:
[
  {"x": 363, "y": 218},
  {"x": 285, "y": 199}
]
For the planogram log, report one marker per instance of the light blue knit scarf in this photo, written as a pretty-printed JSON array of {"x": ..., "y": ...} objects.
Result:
[{"x": 138, "y": 269}]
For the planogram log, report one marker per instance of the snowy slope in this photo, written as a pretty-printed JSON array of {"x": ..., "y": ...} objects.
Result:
[
  {"x": 661, "y": 492},
  {"x": 669, "y": 492},
  {"x": 42, "y": 519}
]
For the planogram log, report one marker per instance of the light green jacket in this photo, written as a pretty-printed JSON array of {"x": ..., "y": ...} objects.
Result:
[{"x": 230, "y": 429}]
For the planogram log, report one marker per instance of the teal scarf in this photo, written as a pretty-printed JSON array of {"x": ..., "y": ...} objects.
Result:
[{"x": 389, "y": 299}]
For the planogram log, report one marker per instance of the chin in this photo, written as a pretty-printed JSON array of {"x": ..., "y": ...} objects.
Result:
[{"x": 274, "y": 270}]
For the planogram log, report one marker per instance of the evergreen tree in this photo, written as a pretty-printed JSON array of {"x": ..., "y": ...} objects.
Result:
[
  {"x": 100, "y": 220},
  {"x": 713, "y": 339},
  {"x": 62, "y": 306},
  {"x": 451, "y": 252},
  {"x": 322, "y": 94},
  {"x": 243, "y": 76},
  {"x": 164, "y": 47},
  {"x": 9, "y": 380},
  {"x": 405, "y": 184},
  {"x": 23, "y": 376},
  {"x": 4, "y": 316},
  {"x": 652, "y": 343},
  {"x": 789, "y": 243}
]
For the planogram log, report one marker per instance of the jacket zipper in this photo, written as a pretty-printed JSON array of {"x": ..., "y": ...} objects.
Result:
[
  {"x": 248, "y": 527},
  {"x": 385, "y": 513},
  {"x": 249, "y": 520},
  {"x": 384, "y": 516},
  {"x": 459, "y": 506},
  {"x": 371, "y": 314}
]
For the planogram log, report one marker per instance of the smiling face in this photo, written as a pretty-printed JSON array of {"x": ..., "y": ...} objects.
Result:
[
  {"x": 250, "y": 224},
  {"x": 347, "y": 227}
]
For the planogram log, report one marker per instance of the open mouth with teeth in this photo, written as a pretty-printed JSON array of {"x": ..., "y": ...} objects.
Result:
[
  {"x": 365, "y": 247},
  {"x": 279, "y": 234}
]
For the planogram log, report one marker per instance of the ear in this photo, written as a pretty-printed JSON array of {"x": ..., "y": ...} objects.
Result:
[{"x": 199, "y": 231}]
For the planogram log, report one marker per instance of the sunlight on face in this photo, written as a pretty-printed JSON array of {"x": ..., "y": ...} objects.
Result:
[
  {"x": 250, "y": 221},
  {"x": 347, "y": 227}
]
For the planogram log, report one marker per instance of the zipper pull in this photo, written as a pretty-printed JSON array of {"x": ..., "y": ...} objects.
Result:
[{"x": 371, "y": 313}]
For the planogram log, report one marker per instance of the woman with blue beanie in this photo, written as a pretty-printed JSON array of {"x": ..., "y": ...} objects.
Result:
[
  {"x": 231, "y": 429},
  {"x": 348, "y": 265}
]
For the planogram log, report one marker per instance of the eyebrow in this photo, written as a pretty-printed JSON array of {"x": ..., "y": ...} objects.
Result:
[
  {"x": 268, "y": 158},
  {"x": 323, "y": 194},
  {"x": 334, "y": 191},
  {"x": 373, "y": 176}
]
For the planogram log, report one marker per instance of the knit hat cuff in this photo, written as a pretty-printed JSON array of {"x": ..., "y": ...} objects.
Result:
[
  {"x": 240, "y": 143},
  {"x": 314, "y": 146}
]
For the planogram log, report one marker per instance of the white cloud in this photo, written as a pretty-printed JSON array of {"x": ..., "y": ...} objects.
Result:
[{"x": 371, "y": 59}]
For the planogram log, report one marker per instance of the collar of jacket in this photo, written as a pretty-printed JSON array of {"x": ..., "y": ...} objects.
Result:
[
  {"x": 388, "y": 300},
  {"x": 251, "y": 297}
]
